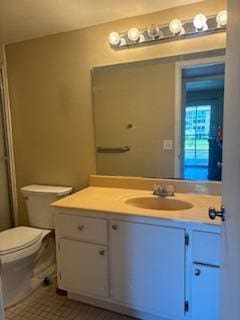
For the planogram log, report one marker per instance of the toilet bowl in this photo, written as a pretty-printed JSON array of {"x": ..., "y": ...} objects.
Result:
[
  {"x": 19, "y": 254},
  {"x": 27, "y": 254}
]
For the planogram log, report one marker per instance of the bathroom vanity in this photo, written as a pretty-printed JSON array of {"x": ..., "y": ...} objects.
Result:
[{"x": 152, "y": 263}]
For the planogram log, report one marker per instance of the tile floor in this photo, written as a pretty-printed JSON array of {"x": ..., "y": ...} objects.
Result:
[{"x": 45, "y": 304}]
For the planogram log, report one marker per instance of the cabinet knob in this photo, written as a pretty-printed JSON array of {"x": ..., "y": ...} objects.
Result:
[
  {"x": 114, "y": 226},
  {"x": 80, "y": 228},
  {"x": 197, "y": 272},
  {"x": 101, "y": 252}
]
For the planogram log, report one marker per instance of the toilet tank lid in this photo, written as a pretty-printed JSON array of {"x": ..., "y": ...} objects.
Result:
[{"x": 45, "y": 189}]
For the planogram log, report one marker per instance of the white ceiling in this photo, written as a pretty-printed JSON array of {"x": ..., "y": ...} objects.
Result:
[{"x": 27, "y": 19}]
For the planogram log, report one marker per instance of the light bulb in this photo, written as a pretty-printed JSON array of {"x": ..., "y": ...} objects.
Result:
[
  {"x": 200, "y": 22},
  {"x": 114, "y": 38},
  {"x": 153, "y": 31},
  {"x": 133, "y": 34},
  {"x": 176, "y": 27},
  {"x": 222, "y": 18}
]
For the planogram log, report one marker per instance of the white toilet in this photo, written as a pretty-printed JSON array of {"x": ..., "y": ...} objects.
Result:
[{"x": 28, "y": 253}]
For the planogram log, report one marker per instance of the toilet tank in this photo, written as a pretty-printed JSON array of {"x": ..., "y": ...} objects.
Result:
[{"x": 38, "y": 199}]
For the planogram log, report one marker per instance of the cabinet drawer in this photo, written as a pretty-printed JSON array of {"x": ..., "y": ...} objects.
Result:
[
  {"x": 82, "y": 228},
  {"x": 206, "y": 247}
]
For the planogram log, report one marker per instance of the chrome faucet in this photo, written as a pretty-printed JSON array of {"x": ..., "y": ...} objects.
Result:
[{"x": 163, "y": 191}]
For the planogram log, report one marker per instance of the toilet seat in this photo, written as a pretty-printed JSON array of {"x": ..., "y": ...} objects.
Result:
[
  {"x": 27, "y": 246},
  {"x": 18, "y": 238}
]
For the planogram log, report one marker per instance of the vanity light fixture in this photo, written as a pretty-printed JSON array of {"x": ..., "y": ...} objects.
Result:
[
  {"x": 200, "y": 25},
  {"x": 200, "y": 22},
  {"x": 222, "y": 19},
  {"x": 176, "y": 27}
]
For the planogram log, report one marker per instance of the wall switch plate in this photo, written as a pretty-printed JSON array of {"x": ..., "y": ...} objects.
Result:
[{"x": 167, "y": 144}]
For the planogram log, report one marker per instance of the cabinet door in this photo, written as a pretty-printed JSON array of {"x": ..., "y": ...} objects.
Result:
[
  {"x": 205, "y": 292},
  {"x": 148, "y": 268},
  {"x": 83, "y": 267}
]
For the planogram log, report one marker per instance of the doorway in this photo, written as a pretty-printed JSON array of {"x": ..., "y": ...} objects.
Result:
[
  {"x": 202, "y": 122},
  {"x": 6, "y": 207}
]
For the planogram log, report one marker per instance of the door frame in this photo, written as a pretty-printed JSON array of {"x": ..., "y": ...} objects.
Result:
[
  {"x": 179, "y": 66},
  {"x": 9, "y": 137}
]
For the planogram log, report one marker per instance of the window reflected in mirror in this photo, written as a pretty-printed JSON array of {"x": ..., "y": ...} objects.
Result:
[{"x": 202, "y": 134}]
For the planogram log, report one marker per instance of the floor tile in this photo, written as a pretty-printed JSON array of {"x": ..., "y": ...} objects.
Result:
[{"x": 45, "y": 304}]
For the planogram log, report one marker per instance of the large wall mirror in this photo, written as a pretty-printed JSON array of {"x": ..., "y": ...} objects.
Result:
[{"x": 161, "y": 118}]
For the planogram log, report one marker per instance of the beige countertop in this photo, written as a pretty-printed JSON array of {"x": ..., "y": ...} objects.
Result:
[{"x": 112, "y": 200}]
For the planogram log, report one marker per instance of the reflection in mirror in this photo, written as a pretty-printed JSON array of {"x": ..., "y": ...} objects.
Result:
[
  {"x": 202, "y": 130},
  {"x": 160, "y": 118}
]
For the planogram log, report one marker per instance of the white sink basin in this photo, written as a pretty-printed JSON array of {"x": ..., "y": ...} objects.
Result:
[{"x": 158, "y": 203}]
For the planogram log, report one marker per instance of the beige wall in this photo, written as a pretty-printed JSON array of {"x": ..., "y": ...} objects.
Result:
[{"x": 51, "y": 99}]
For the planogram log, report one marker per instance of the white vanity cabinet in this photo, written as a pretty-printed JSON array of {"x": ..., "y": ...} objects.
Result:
[
  {"x": 148, "y": 267},
  {"x": 144, "y": 267}
]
